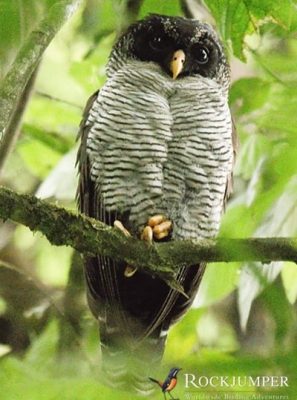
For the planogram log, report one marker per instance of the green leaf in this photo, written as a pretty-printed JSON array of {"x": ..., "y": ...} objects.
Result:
[
  {"x": 171, "y": 7},
  {"x": 213, "y": 331},
  {"x": 237, "y": 18},
  {"x": 252, "y": 150},
  {"x": 42, "y": 352},
  {"x": 238, "y": 211},
  {"x": 183, "y": 337},
  {"x": 51, "y": 262},
  {"x": 219, "y": 280},
  {"x": 249, "y": 94},
  {"x": 60, "y": 144},
  {"x": 289, "y": 278},
  {"x": 233, "y": 21},
  {"x": 280, "y": 118},
  {"x": 55, "y": 116},
  {"x": 280, "y": 310},
  {"x": 50, "y": 271},
  {"x": 39, "y": 158},
  {"x": 56, "y": 63},
  {"x": 253, "y": 279},
  {"x": 280, "y": 11},
  {"x": 90, "y": 72},
  {"x": 280, "y": 220}
]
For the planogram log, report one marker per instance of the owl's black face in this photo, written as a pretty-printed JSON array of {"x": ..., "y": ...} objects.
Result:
[
  {"x": 182, "y": 47},
  {"x": 154, "y": 42}
]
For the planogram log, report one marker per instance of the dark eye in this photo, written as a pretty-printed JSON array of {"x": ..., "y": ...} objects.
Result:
[
  {"x": 159, "y": 43},
  {"x": 201, "y": 54}
]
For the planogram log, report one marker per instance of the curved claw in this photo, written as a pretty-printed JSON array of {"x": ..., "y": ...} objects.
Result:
[
  {"x": 117, "y": 224},
  {"x": 129, "y": 270},
  {"x": 147, "y": 234}
]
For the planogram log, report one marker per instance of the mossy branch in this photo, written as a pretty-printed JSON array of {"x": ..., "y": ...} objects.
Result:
[{"x": 90, "y": 237}]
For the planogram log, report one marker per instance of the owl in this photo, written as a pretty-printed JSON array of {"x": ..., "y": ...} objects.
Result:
[{"x": 155, "y": 161}]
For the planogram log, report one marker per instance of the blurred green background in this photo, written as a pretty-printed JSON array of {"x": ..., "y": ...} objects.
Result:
[{"x": 244, "y": 319}]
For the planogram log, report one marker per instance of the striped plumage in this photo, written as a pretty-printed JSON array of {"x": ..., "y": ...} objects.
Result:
[{"x": 153, "y": 145}]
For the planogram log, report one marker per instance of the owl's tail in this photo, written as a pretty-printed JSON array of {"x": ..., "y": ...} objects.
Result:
[{"x": 128, "y": 364}]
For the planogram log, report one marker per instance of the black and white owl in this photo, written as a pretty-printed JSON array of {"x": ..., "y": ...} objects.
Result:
[{"x": 155, "y": 160}]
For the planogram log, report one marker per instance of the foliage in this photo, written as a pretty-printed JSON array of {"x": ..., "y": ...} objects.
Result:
[{"x": 263, "y": 99}]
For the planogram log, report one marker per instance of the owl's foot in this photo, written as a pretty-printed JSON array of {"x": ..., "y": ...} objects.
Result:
[
  {"x": 160, "y": 226},
  {"x": 117, "y": 224},
  {"x": 129, "y": 270},
  {"x": 147, "y": 234}
]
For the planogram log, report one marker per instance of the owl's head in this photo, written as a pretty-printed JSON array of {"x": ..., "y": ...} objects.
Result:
[{"x": 180, "y": 46}]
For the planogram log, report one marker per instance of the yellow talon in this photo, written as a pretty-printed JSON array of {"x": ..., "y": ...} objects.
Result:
[
  {"x": 163, "y": 227},
  {"x": 161, "y": 235},
  {"x": 117, "y": 224},
  {"x": 156, "y": 220},
  {"x": 129, "y": 271},
  {"x": 147, "y": 234},
  {"x": 158, "y": 227}
]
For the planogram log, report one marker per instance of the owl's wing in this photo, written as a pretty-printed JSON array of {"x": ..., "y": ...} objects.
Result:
[
  {"x": 100, "y": 272},
  {"x": 114, "y": 299},
  {"x": 229, "y": 184},
  {"x": 86, "y": 196}
]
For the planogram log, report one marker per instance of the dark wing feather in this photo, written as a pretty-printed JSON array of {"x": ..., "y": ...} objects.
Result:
[
  {"x": 85, "y": 186},
  {"x": 100, "y": 272},
  {"x": 140, "y": 298}
]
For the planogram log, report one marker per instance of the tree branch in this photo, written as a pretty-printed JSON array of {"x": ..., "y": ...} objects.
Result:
[
  {"x": 196, "y": 9},
  {"x": 29, "y": 56},
  {"x": 90, "y": 237},
  {"x": 13, "y": 129},
  {"x": 186, "y": 9}
]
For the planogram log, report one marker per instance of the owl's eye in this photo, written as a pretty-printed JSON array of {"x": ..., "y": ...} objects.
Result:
[
  {"x": 201, "y": 54},
  {"x": 159, "y": 43}
]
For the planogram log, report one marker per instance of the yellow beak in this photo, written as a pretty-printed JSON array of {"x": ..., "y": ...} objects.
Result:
[{"x": 177, "y": 63}]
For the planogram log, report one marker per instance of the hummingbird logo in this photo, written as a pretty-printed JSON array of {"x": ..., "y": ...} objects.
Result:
[{"x": 169, "y": 384}]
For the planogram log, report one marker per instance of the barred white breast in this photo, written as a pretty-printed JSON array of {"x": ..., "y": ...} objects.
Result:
[{"x": 157, "y": 145}]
